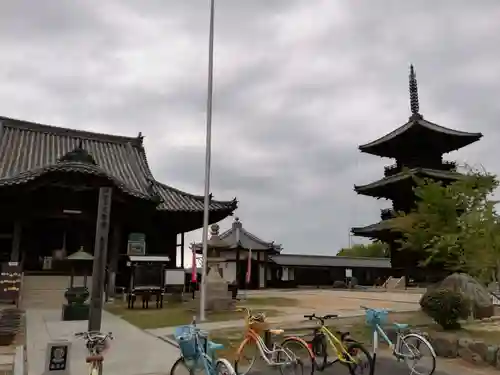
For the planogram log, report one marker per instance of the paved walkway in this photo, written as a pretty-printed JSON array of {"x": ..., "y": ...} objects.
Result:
[{"x": 133, "y": 351}]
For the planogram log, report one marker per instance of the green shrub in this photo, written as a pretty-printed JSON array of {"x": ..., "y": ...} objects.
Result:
[{"x": 446, "y": 307}]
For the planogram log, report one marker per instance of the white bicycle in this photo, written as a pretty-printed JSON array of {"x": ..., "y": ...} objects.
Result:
[
  {"x": 96, "y": 343},
  {"x": 412, "y": 348}
]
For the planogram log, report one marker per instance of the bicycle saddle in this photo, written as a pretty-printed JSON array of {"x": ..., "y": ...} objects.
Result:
[
  {"x": 215, "y": 346},
  {"x": 400, "y": 326},
  {"x": 276, "y": 331}
]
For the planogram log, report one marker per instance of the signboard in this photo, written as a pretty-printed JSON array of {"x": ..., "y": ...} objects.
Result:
[
  {"x": 175, "y": 277},
  {"x": 136, "y": 244},
  {"x": 57, "y": 357},
  {"x": 348, "y": 272},
  {"x": 10, "y": 281}
]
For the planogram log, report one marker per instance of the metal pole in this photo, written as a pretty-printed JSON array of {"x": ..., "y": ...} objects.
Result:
[
  {"x": 100, "y": 256},
  {"x": 208, "y": 153}
]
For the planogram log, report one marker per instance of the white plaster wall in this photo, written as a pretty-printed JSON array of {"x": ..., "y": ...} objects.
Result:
[
  {"x": 285, "y": 274},
  {"x": 229, "y": 271}
]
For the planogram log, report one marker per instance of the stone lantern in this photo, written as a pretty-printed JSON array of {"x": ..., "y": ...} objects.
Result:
[
  {"x": 218, "y": 297},
  {"x": 77, "y": 307}
]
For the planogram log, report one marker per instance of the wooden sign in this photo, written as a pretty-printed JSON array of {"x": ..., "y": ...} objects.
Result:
[
  {"x": 10, "y": 281},
  {"x": 136, "y": 244}
]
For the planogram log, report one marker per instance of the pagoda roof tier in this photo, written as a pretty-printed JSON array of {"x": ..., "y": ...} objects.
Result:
[
  {"x": 237, "y": 237},
  {"x": 379, "y": 230},
  {"x": 416, "y": 135},
  {"x": 389, "y": 187},
  {"x": 31, "y": 150}
]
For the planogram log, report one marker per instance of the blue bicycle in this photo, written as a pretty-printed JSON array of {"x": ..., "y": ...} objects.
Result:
[
  {"x": 410, "y": 347},
  {"x": 198, "y": 353}
]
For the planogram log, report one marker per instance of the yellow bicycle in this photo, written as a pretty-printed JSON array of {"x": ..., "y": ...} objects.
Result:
[{"x": 348, "y": 351}]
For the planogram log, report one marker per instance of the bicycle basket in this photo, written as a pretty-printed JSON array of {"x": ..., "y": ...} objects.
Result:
[
  {"x": 376, "y": 317},
  {"x": 186, "y": 338}
]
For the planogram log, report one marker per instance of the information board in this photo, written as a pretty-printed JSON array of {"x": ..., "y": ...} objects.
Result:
[
  {"x": 175, "y": 277},
  {"x": 136, "y": 244},
  {"x": 10, "y": 281},
  {"x": 57, "y": 357}
]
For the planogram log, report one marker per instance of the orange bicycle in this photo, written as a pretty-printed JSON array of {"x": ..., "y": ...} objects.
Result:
[{"x": 276, "y": 356}]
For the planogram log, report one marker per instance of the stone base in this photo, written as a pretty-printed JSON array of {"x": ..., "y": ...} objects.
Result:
[{"x": 75, "y": 312}]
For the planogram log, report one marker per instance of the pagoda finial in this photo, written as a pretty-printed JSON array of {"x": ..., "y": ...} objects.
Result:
[{"x": 414, "y": 104}]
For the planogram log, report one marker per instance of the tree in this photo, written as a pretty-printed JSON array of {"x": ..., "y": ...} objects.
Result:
[
  {"x": 455, "y": 224},
  {"x": 373, "y": 250}
]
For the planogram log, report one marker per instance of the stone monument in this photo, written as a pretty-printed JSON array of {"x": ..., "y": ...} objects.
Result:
[{"x": 218, "y": 297}]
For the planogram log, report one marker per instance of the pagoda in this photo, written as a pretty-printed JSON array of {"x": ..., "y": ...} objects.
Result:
[{"x": 418, "y": 147}]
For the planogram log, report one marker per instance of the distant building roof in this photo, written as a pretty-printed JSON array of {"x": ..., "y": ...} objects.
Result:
[
  {"x": 237, "y": 237},
  {"x": 329, "y": 261}
]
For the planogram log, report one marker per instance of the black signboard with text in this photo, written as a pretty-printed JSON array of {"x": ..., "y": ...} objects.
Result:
[{"x": 10, "y": 281}]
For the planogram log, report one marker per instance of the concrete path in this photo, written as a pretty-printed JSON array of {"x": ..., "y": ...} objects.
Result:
[{"x": 132, "y": 352}]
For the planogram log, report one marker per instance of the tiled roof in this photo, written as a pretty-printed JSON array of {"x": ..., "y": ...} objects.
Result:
[
  {"x": 329, "y": 261},
  {"x": 373, "y": 229},
  {"x": 237, "y": 237},
  {"x": 28, "y": 150},
  {"x": 433, "y": 173},
  {"x": 452, "y": 140}
]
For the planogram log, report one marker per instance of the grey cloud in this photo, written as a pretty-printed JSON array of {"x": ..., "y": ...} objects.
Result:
[{"x": 298, "y": 85}]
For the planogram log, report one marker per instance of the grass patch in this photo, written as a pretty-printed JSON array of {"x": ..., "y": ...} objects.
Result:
[
  {"x": 172, "y": 314},
  {"x": 270, "y": 301}
]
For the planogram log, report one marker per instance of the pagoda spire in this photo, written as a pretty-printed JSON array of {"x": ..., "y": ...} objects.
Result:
[{"x": 414, "y": 104}]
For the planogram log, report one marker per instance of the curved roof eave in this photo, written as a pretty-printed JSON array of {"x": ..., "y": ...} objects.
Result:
[
  {"x": 423, "y": 123},
  {"x": 435, "y": 173}
]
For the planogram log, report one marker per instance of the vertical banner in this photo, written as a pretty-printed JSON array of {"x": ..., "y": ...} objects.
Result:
[
  {"x": 193, "y": 267},
  {"x": 249, "y": 267}
]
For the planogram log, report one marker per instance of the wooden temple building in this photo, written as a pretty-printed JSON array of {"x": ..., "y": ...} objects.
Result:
[
  {"x": 49, "y": 183},
  {"x": 270, "y": 268},
  {"x": 418, "y": 147}
]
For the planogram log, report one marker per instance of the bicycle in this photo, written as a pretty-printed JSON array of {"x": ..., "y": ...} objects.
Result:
[
  {"x": 376, "y": 318},
  {"x": 349, "y": 352},
  {"x": 197, "y": 352},
  {"x": 96, "y": 343},
  {"x": 276, "y": 356}
]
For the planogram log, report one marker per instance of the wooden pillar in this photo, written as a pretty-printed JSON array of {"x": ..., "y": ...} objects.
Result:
[
  {"x": 100, "y": 257},
  {"x": 266, "y": 268},
  {"x": 113, "y": 259},
  {"x": 182, "y": 250},
  {"x": 16, "y": 242},
  {"x": 259, "y": 265}
]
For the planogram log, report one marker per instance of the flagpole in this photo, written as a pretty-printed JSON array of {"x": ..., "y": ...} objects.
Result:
[{"x": 208, "y": 152}]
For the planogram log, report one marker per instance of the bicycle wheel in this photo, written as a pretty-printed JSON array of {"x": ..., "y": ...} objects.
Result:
[
  {"x": 418, "y": 354},
  {"x": 301, "y": 350},
  {"x": 246, "y": 356},
  {"x": 363, "y": 360},
  {"x": 291, "y": 364},
  {"x": 223, "y": 367},
  {"x": 180, "y": 367}
]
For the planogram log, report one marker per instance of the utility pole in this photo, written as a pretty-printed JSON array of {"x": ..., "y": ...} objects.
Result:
[{"x": 100, "y": 257}]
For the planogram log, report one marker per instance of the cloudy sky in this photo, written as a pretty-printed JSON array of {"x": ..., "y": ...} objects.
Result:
[{"x": 298, "y": 86}]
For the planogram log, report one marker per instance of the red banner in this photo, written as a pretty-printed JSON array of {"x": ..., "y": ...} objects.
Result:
[
  {"x": 194, "y": 276},
  {"x": 249, "y": 266}
]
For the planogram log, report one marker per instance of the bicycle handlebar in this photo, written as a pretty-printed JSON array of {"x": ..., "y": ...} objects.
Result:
[
  {"x": 91, "y": 335},
  {"x": 321, "y": 318}
]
